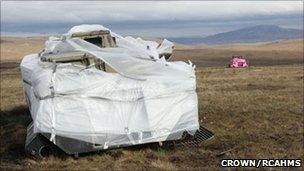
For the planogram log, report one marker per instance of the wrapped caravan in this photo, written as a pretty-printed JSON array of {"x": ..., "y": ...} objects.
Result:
[{"x": 92, "y": 89}]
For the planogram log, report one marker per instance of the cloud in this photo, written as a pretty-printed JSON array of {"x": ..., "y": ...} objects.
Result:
[
  {"x": 81, "y": 11},
  {"x": 48, "y": 15}
]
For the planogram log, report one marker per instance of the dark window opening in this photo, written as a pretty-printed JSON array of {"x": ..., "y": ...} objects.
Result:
[{"x": 95, "y": 40}]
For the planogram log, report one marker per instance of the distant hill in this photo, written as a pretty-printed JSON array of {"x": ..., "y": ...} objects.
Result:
[{"x": 260, "y": 33}]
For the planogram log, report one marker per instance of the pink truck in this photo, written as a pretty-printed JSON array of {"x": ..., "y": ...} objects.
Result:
[{"x": 238, "y": 62}]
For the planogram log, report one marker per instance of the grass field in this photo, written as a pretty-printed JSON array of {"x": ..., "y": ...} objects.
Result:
[
  {"x": 255, "y": 113},
  {"x": 262, "y": 54}
]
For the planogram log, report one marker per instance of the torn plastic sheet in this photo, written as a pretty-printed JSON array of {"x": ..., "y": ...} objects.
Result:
[
  {"x": 146, "y": 101},
  {"x": 134, "y": 67}
]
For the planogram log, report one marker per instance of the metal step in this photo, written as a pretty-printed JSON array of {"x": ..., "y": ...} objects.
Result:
[{"x": 187, "y": 139}]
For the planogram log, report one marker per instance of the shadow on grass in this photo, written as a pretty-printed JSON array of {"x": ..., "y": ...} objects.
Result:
[
  {"x": 13, "y": 130},
  {"x": 13, "y": 125},
  {"x": 18, "y": 115}
]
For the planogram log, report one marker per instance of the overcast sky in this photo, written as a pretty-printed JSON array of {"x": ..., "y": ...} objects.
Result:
[{"x": 161, "y": 19}]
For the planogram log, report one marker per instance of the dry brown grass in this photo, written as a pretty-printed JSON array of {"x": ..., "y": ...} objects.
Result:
[
  {"x": 259, "y": 54},
  {"x": 255, "y": 113},
  {"x": 286, "y": 45},
  {"x": 15, "y": 48}
]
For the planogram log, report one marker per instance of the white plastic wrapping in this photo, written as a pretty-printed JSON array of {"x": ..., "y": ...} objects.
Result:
[{"x": 148, "y": 100}]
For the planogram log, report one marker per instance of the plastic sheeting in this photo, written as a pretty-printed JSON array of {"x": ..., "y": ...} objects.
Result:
[
  {"x": 238, "y": 62},
  {"x": 147, "y": 100}
]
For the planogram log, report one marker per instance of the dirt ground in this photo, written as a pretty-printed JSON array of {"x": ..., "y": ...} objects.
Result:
[{"x": 255, "y": 112}]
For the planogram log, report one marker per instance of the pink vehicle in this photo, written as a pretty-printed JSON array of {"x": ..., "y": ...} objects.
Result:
[{"x": 238, "y": 62}]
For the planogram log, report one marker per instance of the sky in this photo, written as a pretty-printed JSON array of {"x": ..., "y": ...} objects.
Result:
[{"x": 149, "y": 18}]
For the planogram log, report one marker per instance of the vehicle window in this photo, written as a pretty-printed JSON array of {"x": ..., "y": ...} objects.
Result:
[{"x": 95, "y": 40}]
